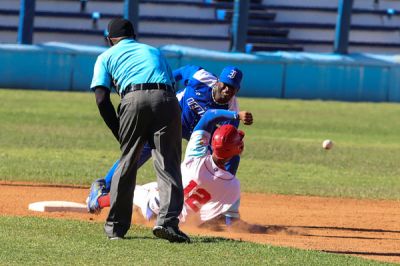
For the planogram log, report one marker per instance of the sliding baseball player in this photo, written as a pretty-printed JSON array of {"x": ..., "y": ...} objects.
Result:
[{"x": 210, "y": 190}]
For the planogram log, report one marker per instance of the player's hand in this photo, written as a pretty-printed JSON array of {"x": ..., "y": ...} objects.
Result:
[{"x": 246, "y": 117}]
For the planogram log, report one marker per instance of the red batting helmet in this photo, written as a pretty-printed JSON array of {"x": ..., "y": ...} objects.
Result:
[{"x": 227, "y": 142}]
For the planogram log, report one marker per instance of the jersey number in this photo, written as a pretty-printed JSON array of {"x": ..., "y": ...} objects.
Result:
[{"x": 197, "y": 196}]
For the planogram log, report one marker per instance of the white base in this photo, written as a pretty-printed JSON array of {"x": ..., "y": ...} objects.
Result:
[{"x": 57, "y": 206}]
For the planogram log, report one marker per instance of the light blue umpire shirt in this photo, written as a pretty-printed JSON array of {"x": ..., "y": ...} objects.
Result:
[{"x": 130, "y": 62}]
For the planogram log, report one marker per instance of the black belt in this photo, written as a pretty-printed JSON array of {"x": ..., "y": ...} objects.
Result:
[{"x": 146, "y": 86}]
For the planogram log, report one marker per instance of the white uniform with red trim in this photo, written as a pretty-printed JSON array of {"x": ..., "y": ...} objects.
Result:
[{"x": 209, "y": 191}]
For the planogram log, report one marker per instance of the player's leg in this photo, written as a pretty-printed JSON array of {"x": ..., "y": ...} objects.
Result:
[
  {"x": 97, "y": 190},
  {"x": 167, "y": 142},
  {"x": 145, "y": 155},
  {"x": 166, "y": 154},
  {"x": 109, "y": 175},
  {"x": 141, "y": 199},
  {"x": 147, "y": 199},
  {"x": 100, "y": 187},
  {"x": 134, "y": 121}
]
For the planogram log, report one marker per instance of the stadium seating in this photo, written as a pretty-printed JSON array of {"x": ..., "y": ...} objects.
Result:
[
  {"x": 375, "y": 26},
  {"x": 161, "y": 22},
  {"x": 292, "y": 25}
]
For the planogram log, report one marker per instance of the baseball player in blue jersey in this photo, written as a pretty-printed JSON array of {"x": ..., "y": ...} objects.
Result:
[{"x": 203, "y": 91}]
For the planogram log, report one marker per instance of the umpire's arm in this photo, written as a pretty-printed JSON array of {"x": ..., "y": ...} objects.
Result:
[{"x": 106, "y": 109}]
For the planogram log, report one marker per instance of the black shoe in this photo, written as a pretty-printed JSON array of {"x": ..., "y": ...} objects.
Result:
[{"x": 170, "y": 233}]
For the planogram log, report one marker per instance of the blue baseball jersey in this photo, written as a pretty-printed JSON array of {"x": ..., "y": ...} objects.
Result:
[
  {"x": 185, "y": 73},
  {"x": 196, "y": 98}
]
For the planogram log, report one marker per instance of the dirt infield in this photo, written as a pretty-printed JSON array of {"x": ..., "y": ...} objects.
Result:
[{"x": 365, "y": 228}]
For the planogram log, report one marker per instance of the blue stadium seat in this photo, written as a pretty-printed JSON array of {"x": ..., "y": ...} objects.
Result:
[{"x": 278, "y": 25}]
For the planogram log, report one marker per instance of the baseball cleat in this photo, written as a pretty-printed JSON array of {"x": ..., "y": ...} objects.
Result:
[
  {"x": 96, "y": 190},
  {"x": 171, "y": 233}
]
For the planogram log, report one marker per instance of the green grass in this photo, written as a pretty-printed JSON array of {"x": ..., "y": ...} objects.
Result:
[
  {"x": 38, "y": 241},
  {"x": 284, "y": 154},
  {"x": 56, "y": 137},
  {"x": 59, "y": 137}
]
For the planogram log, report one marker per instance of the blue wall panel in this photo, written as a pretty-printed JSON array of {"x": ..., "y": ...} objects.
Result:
[
  {"x": 336, "y": 82},
  {"x": 394, "y": 85},
  {"x": 373, "y": 84},
  {"x": 262, "y": 80},
  {"x": 174, "y": 59},
  {"x": 35, "y": 68},
  {"x": 359, "y": 77},
  {"x": 82, "y": 59},
  {"x": 309, "y": 81},
  {"x": 82, "y": 71}
]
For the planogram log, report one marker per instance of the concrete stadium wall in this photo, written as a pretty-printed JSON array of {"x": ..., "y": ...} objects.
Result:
[{"x": 358, "y": 77}]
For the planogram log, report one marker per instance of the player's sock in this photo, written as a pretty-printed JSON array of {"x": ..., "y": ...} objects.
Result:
[{"x": 104, "y": 201}]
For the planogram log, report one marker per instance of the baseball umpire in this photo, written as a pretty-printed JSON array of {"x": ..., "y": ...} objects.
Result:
[{"x": 149, "y": 112}]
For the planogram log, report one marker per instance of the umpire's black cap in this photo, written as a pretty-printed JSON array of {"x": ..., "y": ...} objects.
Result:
[{"x": 120, "y": 27}]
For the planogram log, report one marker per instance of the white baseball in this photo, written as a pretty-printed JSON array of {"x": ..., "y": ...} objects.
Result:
[{"x": 327, "y": 144}]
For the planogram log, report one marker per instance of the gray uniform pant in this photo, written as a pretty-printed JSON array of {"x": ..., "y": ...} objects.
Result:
[{"x": 152, "y": 116}]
